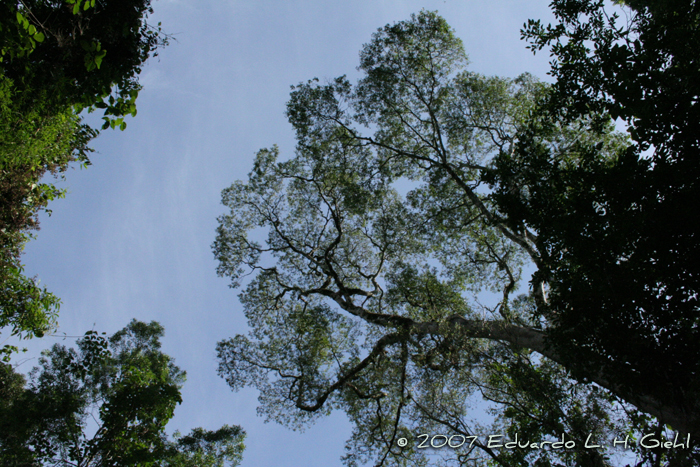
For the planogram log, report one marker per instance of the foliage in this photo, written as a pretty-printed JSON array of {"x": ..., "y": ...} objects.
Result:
[
  {"x": 32, "y": 144},
  {"x": 83, "y": 53},
  {"x": 387, "y": 231},
  {"x": 54, "y": 63},
  {"x": 618, "y": 238},
  {"x": 204, "y": 448},
  {"x": 123, "y": 390}
]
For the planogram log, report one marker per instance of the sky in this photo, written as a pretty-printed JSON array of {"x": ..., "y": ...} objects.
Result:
[{"x": 132, "y": 239}]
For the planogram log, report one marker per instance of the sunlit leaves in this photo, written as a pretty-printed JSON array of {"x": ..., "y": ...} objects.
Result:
[
  {"x": 32, "y": 144},
  {"x": 51, "y": 69},
  {"x": 45, "y": 49}
]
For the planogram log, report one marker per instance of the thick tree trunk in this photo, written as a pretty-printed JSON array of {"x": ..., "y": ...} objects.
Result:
[{"x": 681, "y": 417}]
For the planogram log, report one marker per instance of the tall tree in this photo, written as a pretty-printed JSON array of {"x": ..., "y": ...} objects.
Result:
[
  {"x": 619, "y": 238},
  {"x": 105, "y": 404},
  {"x": 57, "y": 58},
  {"x": 384, "y": 233}
]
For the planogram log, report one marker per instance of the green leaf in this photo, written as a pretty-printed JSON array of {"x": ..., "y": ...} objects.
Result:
[
  {"x": 39, "y": 37},
  {"x": 128, "y": 383},
  {"x": 32, "y": 29}
]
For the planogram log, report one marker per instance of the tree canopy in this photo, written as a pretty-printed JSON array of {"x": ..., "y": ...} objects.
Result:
[
  {"x": 385, "y": 257},
  {"x": 618, "y": 239},
  {"x": 105, "y": 404}
]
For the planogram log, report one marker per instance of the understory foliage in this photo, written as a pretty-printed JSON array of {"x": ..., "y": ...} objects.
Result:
[
  {"x": 104, "y": 404},
  {"x": 32, "y": 144},
  {"x": 57, "y": 58},
  {"x": 382, "y": 264}
]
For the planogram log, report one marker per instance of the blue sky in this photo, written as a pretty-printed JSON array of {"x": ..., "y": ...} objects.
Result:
[{"x": 132, "y": 238}]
